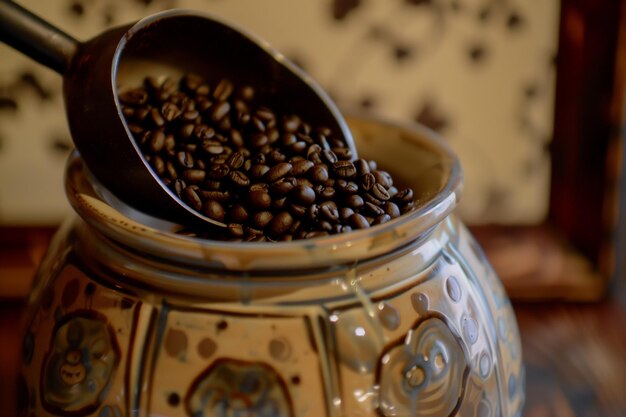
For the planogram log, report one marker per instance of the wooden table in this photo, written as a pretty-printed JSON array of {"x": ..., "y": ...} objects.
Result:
[{"x": 575, "y": 354}]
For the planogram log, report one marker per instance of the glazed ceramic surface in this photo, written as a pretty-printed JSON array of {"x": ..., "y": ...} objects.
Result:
[{"x": 403, "y": 319}]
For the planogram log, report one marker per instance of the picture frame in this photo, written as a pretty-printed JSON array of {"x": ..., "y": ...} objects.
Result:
[{"x": 577, "y": 252}]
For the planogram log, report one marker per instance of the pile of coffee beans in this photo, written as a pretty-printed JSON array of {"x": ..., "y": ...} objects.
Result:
[{"x": 268, "y": 176}]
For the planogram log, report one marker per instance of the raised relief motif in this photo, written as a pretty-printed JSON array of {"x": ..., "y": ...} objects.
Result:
[
  {"x": 425, "y": 375},
  {"x": 231, "y": 387},
  {"x": 80, "y": 363}
]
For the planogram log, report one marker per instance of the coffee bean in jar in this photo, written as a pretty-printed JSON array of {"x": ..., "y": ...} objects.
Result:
[{"x": 269, "y": 175}]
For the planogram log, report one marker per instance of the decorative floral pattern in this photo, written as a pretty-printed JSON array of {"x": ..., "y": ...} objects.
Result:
[
  {"x": 83, "y": 357},
  {"x": 424, "y": 375},
  {"x": 232, "y": 387}
]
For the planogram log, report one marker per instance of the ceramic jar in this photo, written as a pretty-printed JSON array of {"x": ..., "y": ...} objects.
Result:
[{"x": 127, "y": 317}]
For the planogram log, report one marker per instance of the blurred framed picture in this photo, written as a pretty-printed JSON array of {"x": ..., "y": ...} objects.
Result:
[{"x": 578, "y": 252}]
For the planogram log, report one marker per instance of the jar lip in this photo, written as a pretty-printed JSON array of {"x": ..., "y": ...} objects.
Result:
[{"x": 124, "y": 225}]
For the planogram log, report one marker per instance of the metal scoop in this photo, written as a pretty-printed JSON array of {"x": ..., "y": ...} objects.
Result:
[{"x": 173, "y": 42}]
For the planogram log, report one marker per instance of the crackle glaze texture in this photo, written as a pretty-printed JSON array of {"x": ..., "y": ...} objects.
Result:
[{"x": 126, "y": 319}]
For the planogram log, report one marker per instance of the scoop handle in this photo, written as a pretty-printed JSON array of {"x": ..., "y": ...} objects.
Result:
[{"x": 33, "y": 36}]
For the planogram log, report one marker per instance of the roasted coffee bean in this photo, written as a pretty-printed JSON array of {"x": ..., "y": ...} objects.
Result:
[
  {"x": 344, "y": 154},
  {"x": 261, "y": 186},
  {"x": 218, "y": 171},
  {"x": 303, "y": 194},
  {"x": 158, "y": 165},
  {"x": 315, "y": 157},
  {"x": 170, "y": 171},
  {"x": 354, "y": 201},
  {"x": 179, "y": 187},
  {"x": 191, "y": 82},
  {"x": 279, "y": 203},
  {"x": 325, "y": 225},
  {"x": 351, "y": 188},
  {"x": 238, "y": 213},
  {"x": 344, "y": 169},
  {"x": 135, "y": 129},
  {"x": 235, "y": 229},
  {"x": 329, "y": 213},
  {"x": 278, "y": 171},
  {"x": 298, "y": 147},
  {"x": 297, "y": 210},
  {"x": 235, "y": 160},
  {"x": 329, "y": 156},
  {"x": 219, "y": 110},
  {"x": 141, "y": 114},
  {"x": 313, "y": 212},
  {"x": 383, "y": 178},
  {"x": 380, "y": 192},
  {"x": 259, "y": 170},
  {"x": 259, "y": 199},
  {"x": 213, "y": 210},
  {"x": 362, "y": 167},
  {"x": 246, "y": 93},
  {"x": 257, "y": 124},
  {"x": 373, "y": 209},
  {"x": 203, "y": 132},
  {"x": 288, "y": 139},
  {"x": 186, "y": 130},
  {"x": 291, "y": 123},
  {"x": 223, "y": 90},
  {"x": 315, "y": 233},
  {"x": 213, "y": 185},
  {"x": 381, "y": 219},
  {"x": 276, "y": 157},
  {"x": 194, "y": 176},
  {"x": 404, "y": 196},
  {"x": 191, "y": 197},
  {"x": 212, "y": 147},
  {"x": 304, "y": 182},
  {"x": 184, "y": 159},
  {"x": 391, "y": 209},
  {"x": 262, "y": 219},
  {"x": 239, "y": 178},
  {"x": 283, "y": 186},
  {"x": 157, "y": 140},
  {"x": 346, "y": 212},
  {"x": 272, "y": 134},
  {"x": 258, "y": 140},
  {"x": 170, "y": 111},
  {"x": 134, "y": 97},
  {"x": 280, "y": 224},
  {"x": 236, "y": 138},
  {"x": 318, "y": 174},
  {"x": 367, "y": 181},
  {"x": 219, "y": 196},
  {"x": 358, "y": 221},
  {"x": 190, "y": 116},
  {"x": 156, "y": 118},
  {"x": 371, "y": 199},
  {"x": 327, "y": 193},
  {"x": 324, "y": 143}
]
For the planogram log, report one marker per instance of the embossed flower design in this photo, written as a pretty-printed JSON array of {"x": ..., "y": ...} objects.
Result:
[
  {"x": 80, "y": 363},
  {"x": 425, "y": 374}
]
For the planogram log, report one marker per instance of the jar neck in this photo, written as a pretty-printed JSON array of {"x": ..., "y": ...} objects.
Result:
[{"x": 115, "y": 261}]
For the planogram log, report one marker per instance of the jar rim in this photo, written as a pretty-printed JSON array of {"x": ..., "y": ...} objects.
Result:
[{"x": 124, "y": 225}]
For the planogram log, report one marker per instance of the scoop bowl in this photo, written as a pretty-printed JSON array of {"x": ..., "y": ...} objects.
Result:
[{"x": 170, "y": 43}]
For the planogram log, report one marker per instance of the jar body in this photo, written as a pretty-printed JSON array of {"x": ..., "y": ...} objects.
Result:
[{"x": 424, "y": 331}]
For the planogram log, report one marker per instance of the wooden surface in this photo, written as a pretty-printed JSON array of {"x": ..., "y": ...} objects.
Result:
[{"x": 574, "y": 354}]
